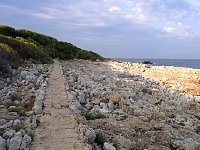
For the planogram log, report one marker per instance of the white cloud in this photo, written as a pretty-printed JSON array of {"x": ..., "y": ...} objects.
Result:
[
  {"x": 169, "y": 29},
  {"x": 117, "y": 23},
  {"x": 129, "y": 16},
  {"x": 179, "y": 29},
  {"x": 114, "y": 8},
  {"x": 43, "y": 15}
]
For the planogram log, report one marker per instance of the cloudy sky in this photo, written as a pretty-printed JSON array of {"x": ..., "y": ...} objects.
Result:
[{"x": 113, "y": 28}]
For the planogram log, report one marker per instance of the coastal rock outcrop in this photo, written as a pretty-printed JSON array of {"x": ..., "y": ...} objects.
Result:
[{"x": 129, "y": 111}]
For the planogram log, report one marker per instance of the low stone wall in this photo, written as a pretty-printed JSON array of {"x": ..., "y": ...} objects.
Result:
[{"x": 21, "y": 104}]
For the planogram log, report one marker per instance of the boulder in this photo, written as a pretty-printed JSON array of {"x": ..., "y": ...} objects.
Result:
[
  {"x": 9, "y": 134},
  {"x": 22, "y": 131},
  {"x": 108, "y": 146},
  {"x": 104, "y": 106},
  {"x": 18, "y": 134},
  {"x": 6, "y": 125},
  {"x": 24, "y": 74},
  {"x": 90, "y": 134},
  {"x": 16, "y": 122},
  {"x": 37, "y": 109},
  {"x": 88, "y": 147},
  {"x": 30, "y": 79},
  {"x": 194, "y": 146},
  {"x": 81, "y": 97},
  {"x": 2, "y": 122},
  {"x": 87, "y": 134},
  {"x": 124, "y": 143},
  {"x": 7, "y": 102},
  {"x": 25, "y": 142},
  {"x": 111, "y": 106},
  {"x": 15, "y": 143},
  {"x": 34, "y": 124},
  {"x": 2, "y": 144},
  {"x": 7, "y": 143}
]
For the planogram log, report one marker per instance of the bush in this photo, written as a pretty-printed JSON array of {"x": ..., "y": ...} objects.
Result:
[
  {"x": 99, "y": 116},
  {"x": 15, "y": 96},
  {"x": 8, "y": 51},
  {"x": 17, "y": 127},
  {"x": 182, "y": 123},
  {"x": 100, "y": 139},
  {"x": 9, "y": 59},
  {"x": 37, "y": 46},
  {"x": 31, "y": 134},
  {"x": 20, "y": 111},
  {"x": 89, "y": 116},
  {"x": 116, "y": 145},
  {"x": 197, "y": 129}
]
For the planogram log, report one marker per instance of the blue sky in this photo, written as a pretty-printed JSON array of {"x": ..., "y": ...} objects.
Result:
[{"x": 114, "y": 28}]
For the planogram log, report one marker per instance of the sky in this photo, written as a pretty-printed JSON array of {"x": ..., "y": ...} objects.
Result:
[{"x": 113, "y": 28}]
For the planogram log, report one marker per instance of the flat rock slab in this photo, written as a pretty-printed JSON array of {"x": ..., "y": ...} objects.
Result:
[{"x": 57, "y": 127}]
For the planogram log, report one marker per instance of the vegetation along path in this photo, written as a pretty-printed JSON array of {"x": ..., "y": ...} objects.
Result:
[{"x": 57, "y": 127}]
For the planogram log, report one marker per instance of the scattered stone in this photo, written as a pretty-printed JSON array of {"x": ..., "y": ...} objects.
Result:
[
  {"x": 37, "y": 109},
  {"x": 9, "y": 134},
  {"x": 19, "y": 134},
  {"x": 2, "y": 122},
  {"x": 15, "y": 143},
  {"x": 127, "y": 144},
  {"x": 25, "y": 142},
  {"x": 17, "y": 98},
  {"x": 87, "y": 134},
  {"x": 108, "y": 146},
  {"x": 133, "y": 107},
  {"x": 2, "y": 144},
  {"x": 16, "y": 122}
]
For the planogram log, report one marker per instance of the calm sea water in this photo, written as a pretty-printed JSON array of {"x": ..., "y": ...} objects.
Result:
[{"x": 188, "y": 63}]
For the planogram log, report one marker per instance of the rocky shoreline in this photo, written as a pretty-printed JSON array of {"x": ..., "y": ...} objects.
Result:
[
  {"x": 117, "y": 105},
  {"x": 21, "y": 104},
  {"x": 185, "y": 80},
  {"x": 119, "y": 109}
]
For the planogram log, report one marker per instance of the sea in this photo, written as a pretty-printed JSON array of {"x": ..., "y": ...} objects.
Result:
[{"x": 188, "y": 63}]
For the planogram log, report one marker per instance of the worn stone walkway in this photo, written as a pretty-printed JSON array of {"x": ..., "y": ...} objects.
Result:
[{"x": 57, "y": 127}]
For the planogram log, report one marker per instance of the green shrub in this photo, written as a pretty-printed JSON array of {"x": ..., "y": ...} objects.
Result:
[
  {"x": 115, "y": 145},
  {"x": 7, "y": 50},
  {"x": 197, "y": 129},
  {"x": 31, "y": 134},
  {"x": 37, "y": 46},
  {"x": 100, "y": 139},
  {"x": 83, "y": 104},
  {"x": 20, "y": 111},
  {"x": 9, "y": 58},
  {"x": 148, "y": 91},
  {"x": 17, "y": 127},
  {"x": 15, "y": 96},
  {"x": 106, "y": 100},
  {"x": 181, "y": 123},
  {"x": 99, "y": 116},
  {"x": 88, "y": 116}
]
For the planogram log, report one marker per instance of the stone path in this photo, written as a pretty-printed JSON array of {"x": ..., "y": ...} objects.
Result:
[{"x": 57, "y": 127}]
